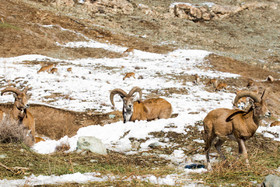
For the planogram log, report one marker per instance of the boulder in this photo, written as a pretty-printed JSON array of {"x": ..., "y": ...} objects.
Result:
[
  {"x": 271, "y": 181},
  {"x": 154, "y": 145},
  {"x": 191, "y": 12},
  {"x": 92, "y": 144}
]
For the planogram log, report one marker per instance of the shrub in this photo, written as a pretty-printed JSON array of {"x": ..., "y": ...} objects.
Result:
[{"x": 12, "y": 132}]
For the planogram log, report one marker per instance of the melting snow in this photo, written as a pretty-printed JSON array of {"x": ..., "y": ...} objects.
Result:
[{"x": 89, "y": 86}]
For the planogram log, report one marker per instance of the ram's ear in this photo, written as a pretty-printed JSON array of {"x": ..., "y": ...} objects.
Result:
[{"x": 15, "y": 96}]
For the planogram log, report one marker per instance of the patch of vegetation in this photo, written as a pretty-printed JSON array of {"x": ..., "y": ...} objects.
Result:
[
  {"x": 59, "y": 163},
  {"x": 12, "y": 132},
  {"x": 235, "y": 171},
  {"x": 8, "y": 26}
]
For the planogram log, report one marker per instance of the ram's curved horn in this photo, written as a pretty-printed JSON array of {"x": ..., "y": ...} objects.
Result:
[
  {"x": 247, "y": 94},
  {"x": 117, "y": 91},
  {"x": 11, "y": 89},
  {"x": 136, "y": 89}
]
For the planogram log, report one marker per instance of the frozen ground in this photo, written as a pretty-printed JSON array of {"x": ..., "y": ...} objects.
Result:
[{"x": 88, "y": 86}]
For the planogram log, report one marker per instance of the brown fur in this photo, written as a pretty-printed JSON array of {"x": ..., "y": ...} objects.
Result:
[
  {"x": 69, "y": 69},
  {"x": 19, "y": 111},
  {"x": 275, "y": 123},
  {"x": 251, "y": 83},
  {"x": 39, "y": 139},
  {"x": 196, "y": 79},
  {"x": 128, "y": 50},
  {"x": 213, "y": 82},
  {"x": 45, "y": 68},
  {"x": 241, "y": 125},
  {"x": 150, "y": 109},
  {"x": 128, "y": 75},
  {"x": 221, "y": 86},
  {"x": 53, "y": 70}
]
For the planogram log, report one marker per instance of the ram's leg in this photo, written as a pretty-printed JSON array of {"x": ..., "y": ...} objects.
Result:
[
  {"x": 208, "y": 143},
  {"x": 239, "y": 147},
  {"x": 218, "y": 146},
  {"x": 243, "y": 150}
]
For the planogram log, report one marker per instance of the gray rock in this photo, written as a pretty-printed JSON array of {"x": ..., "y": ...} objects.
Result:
[
  {"x": 3, "y": 156},
  {"x": 92, "y": 144},
  {"x": 154, "y": 145},
  {"x": 271, "y": 181},
  {"x": 135, "y": 145},
  {"x": 112, "y": 116}
]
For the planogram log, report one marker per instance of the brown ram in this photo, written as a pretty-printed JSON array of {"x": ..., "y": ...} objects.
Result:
[
  {"x": 150, "y": 109},
  {"x": 233, "y": 123},
  {"x": 275, "y": 123},
  {"x": 19, "y": 111}
]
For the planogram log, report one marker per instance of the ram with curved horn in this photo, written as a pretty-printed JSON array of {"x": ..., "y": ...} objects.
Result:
[
  {"x": 20, "y": 112},
  {"x": 150, "y": 109},
  {"x": 234, "y": 124}
]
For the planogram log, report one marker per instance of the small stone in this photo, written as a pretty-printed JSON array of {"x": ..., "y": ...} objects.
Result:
[
  {"x": 3, "y": 156},
  {"x": 112, "y": 116},
  {"x": 154, "y": 145},
  {"x": 135, "y": 145}
]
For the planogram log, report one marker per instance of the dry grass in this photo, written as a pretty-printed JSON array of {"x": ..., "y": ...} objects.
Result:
[
  {"x": 64, "y": 146},
  {"x": 12, "y": 132},
  {"x": 234, "y": 170}
]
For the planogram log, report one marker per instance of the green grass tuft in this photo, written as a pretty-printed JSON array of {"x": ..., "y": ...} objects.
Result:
[{"x": 8, "y": 26}]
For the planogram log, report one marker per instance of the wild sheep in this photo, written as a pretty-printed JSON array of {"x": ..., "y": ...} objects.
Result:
[
  {"x": 69, "y": 69},
  {"x": 19, "y": 111},
  {"x": 275, "y": 123},
  {"x": 46, "y": 68},
  {"x": 221, "y": 86},
  {"x": 53, "y": 70},
  {"x": 251, "y": 83},
  {"x": 150, "y": 109},
  {"x": 196, "y": 79},
  {"x": 233, "y": 123},
  {"x": 128, "y": 75},
  {"x": 213, "y": 82},
  {"x": 128, "y": 50}
]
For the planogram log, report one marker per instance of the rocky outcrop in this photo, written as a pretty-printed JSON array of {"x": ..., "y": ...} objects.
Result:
[
  {"x": 195, "y": 12},
  {"x": 209, "y": 11}
]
